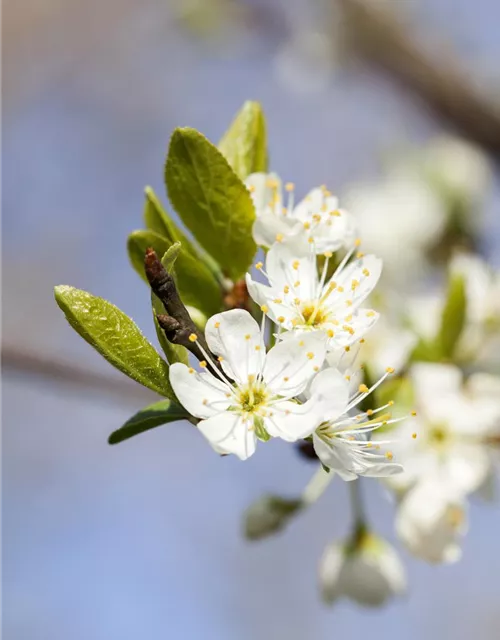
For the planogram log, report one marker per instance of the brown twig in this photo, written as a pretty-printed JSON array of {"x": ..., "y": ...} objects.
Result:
[
  {"x": 177, "y": 325},
  {"x": 441, "y": 82}
]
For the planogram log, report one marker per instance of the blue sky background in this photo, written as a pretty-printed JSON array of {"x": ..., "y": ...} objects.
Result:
[{"x": 143, "y": 540}]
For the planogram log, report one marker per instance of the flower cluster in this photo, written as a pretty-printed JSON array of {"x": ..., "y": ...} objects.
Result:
[{"x": 303, "y": 386}]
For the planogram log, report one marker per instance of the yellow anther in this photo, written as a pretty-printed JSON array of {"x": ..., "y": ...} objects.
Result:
[
  {"x": 286, "y": 379},
  {"x": 295, "y": 264},
  {"x": 330, "y": 333},
  {"x": 191, "y": 370},
  {"x": 281, "y": 319},
  {"x": 340, "y": 289},
  {"x": 316, "y": 368},
  {"x": 369, "y": 445},
  {"x": 328, "y": 254},
  {"x": 248, "y": 336},
  {"x": 414, "y": 435},
  {"x": 348, "y": 318},
  {"x": 316, "y": 217},
  {"x": 369, "y": 412},
  {"x": 259, "y": 265},
  {"x": 203, "y": 364},
  {"x": 264, "y": 308},
  {"x": 413, "y": 413},
  {"x": 357, "y": 242},
  {"x": 370, "y": 314},
  {"x": 348, "y": 378},
  {"x": 296, "y": 283},
  {"x": 362, "y": 341},
  {"x": 363, "y": 388},
  {"x": 257, "y": 348},
  {"x": 193, "y": 337},
  {"x": 286, "y": 289},
  {"x": 289, "y": 186},
  {"x": 205, "y": 401},
  {"x": 366, "y": 272},
  {"x": 391, "y": 403},
  {"x": 347, "y": 348},
  {"x": 377, "y": 446},
  {"x": 220, "y": 358},
  {"x": 390, "y": 369},
  {"x": 284, "y": 211},
  {"x": 307, "y": 225},
  {"x": 310, "y": 355},
  {"x": 389, "y": 455},
  {"x": 348, "y": 303},
  {"x": 301, "y": 343},
  {"x": 354, "y": 284},
  {"x": 310, "y": 239},
  {"x": 278, "y": 300},
  {"x": 217, "y": 325},
  {"x": 349, "y": 329},
  {"x": 279, "y": 237},
  {"x": 360, "y": 254},
  {"x": 297, "y": 300}
]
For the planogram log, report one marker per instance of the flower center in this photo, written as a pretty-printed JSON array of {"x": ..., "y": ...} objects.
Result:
[
  {"x": 438, "y": 435},
  {"x": 252, "y": 397},
  {"x": 313, "y": 314}
]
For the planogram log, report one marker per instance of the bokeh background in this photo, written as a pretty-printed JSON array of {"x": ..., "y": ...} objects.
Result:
[{"x": 144, "y": 539}]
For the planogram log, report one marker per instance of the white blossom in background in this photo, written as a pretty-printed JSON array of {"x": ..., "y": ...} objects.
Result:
[
  {"x": 400, "y": 218},
  {"x": 252, "y": 397},
  {"x": 301, "y": 302},
  {"x": 482, "y": 288},
  {"x": 461, "y": 171},
  {"x": 367, "y": 570},
  {"x": 431, "y": 521},
  {"x": 317, "y": 217},
  {"x": 342, "y": 441},
  {"x": 451, "y": 432}
]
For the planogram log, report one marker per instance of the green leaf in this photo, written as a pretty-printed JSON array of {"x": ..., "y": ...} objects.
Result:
[
  {"x": 211, "y": 200},
  {"x": 244, "y": 145},
  {"x": 171, "y": 256},
  {"x": 116, "y": 337},
  {"x": 196, "y": 283},
  {"x": 453, "y": 317},
  {"x": 174, "y": 352},
  {"x": 269, "y": 515},
  {"x": 157, "y": 219},
  {"x": 148, "y": 418}
]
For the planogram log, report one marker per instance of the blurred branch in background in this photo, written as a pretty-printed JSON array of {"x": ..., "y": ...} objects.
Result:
[
  {"x": 441, "y": 82},
  {"x": 18, "y": 361}
]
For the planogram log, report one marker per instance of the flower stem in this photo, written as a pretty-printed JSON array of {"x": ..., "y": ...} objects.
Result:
[
  {"x": 316, "y": 486},
  {"x": 357, "y": 506}
]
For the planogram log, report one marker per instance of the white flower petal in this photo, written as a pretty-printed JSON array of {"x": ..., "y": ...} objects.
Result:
[
  {"x": 261, "y": 294},
  {"x": 336, "y": 458},
  {"x": 262, "y": 193},
  {"x": 358, "y": 280},
  {"x": 236, "y": 337},
  {"x": 291, "y": 421},
  {"x": 293, "y": 261},
  {"x": 329, "y": 572},
  {"x": 291, "y": 363},
  {"x": 435, "y": 380},
  {"x": 430, "y": 521},
  {"x": 202, "y": 394},
  {"x": 228, "y": 433},
  {"x": 270, "y": 226},
  {"x": 330, "y": 392}
]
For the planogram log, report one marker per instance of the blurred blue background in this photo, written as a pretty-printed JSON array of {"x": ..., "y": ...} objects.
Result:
[{"x": 144, "y": 539}]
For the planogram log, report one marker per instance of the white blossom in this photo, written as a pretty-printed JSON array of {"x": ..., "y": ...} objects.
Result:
[
  {"x": 342, "y": 442},
  {"x": 365, "y": 569},
  {"x": 318, "y": 216},
  {"x": 400, "y": 217},
  {"x": 454, "y": 422},
  {"x": 300, "y": 301},
  {"x": 431, "y": 520},
  {"x": 252, "y": 396}
]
